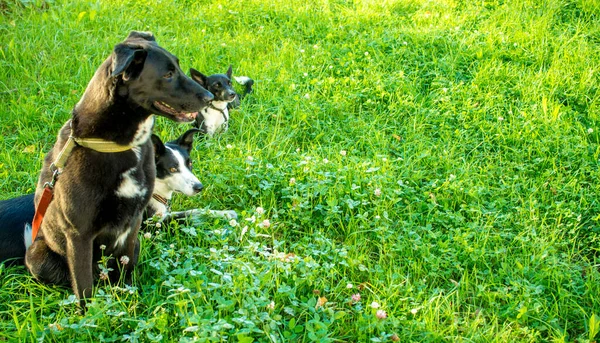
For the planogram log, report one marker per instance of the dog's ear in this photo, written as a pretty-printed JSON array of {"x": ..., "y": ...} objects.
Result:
[
  {"x": 128, "y": 60},
  {"x": 229, "y": 72},
  {"x": 186, "y": 140},
  {"x": 198, "y": 77},
  {"x": 141, "y": 35},
  {"x": 159, "y": 147}
]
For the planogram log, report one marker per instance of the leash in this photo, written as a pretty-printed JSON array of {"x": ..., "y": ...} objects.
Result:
[{"x": 96, "y": 144}]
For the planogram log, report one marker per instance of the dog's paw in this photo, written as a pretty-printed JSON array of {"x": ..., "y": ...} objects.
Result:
[{"x": 228, "y": 214}]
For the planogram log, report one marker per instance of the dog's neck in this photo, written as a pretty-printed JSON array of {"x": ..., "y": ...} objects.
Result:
[
  {"x": 162, "y": 191},
  {"x": 219, "y": 106},
  {"x": 95, "y": 113}
]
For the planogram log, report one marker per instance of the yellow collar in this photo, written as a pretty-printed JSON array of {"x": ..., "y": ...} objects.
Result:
[{"x": 96, "y": 144}]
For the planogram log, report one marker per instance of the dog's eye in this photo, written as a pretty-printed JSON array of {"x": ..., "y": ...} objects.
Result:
[
  {"x": 217, "y": 85},
  {"x": 168, "y": 75},
  {"x": 173, "y": 170},
  {"x": 190, "y": 164}
]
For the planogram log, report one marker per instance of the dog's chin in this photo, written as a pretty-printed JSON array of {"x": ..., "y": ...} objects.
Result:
[{"x": 165, "y": 110}]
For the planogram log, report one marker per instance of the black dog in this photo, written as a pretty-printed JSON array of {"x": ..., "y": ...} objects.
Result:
[
  {"x": 215, "y": 117},
  {"x": 99, "y": 197}
]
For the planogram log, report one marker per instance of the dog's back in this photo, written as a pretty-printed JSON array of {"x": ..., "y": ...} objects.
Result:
[{"x": 14, "y": 215}]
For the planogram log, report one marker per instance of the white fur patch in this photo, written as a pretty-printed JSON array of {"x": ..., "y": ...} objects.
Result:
[
  {"x": 120, "y": 241},
  {"x": 214, "y": 121},
  {"x": 129, "y": 187},
  {"x": 143, "y": 132},
  {"x": 242, "y": 80},
  {"x": 27, "y": 236}
]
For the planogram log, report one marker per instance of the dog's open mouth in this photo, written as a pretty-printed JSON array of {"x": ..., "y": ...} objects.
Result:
[{"x": 178, "y": 116}]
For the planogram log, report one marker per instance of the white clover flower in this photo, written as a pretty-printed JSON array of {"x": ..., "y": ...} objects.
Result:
[
  {"x": 233, "y": 222},
  {"x": 103, "y": 247},
  {"x": 343, "y": 152},
  {"x": 124, "y": 259},
  {"x": 375, "y": 304},
  {"x": 377, "y": 192},
  {"x": 260, "y": 210},
  {"x": 147, "y": 235},
  {"x": 292, "y": 181},
  {"x": 349, "y": 285}
]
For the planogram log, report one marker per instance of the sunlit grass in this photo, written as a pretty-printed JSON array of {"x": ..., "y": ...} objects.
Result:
[{"x": 439, "y": 157}]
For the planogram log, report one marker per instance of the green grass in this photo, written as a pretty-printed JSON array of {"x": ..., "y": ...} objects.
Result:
[{"x": 478, "y": 123}]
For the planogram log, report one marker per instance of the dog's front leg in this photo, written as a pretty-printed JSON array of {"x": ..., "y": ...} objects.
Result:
[
  {"x": 79, "y": 259},
  {"x": 132, "y": 251}
]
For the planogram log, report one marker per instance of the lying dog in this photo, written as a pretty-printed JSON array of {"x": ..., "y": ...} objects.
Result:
[
  {"x": 99, "y": 197},
  {"x": 173, "y": 175},
  {"x": 215, "y": 117}
]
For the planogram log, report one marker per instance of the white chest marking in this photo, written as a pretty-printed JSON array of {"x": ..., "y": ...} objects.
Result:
[
  {"x": 129, "y": 187},
  {"x": 143, "y": 132},
  {"x": 215, "y": 120},
  {"x": 120, "y": 241}
]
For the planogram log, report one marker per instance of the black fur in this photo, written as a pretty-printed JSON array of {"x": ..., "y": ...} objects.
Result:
[
  {"x": 87, "y": 211},
  {"x": 18, "y": 212},
  {"x": 14, "y": 215}
]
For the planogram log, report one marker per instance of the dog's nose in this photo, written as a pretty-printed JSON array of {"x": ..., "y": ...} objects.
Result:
[{"x": 197, "y": 187}]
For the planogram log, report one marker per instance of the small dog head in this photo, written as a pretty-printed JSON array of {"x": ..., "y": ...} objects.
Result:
[
  {"x": 150, "y": 76},
  {"x": 174, "y": 165},
  {"x": 218, "y": 84}
]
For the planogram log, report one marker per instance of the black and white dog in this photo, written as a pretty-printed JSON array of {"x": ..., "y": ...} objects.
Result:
[
  {"x": 215, "y": 117},
  {"x": 101, "y": 194},
  {"x": 173, "y": 175}
]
